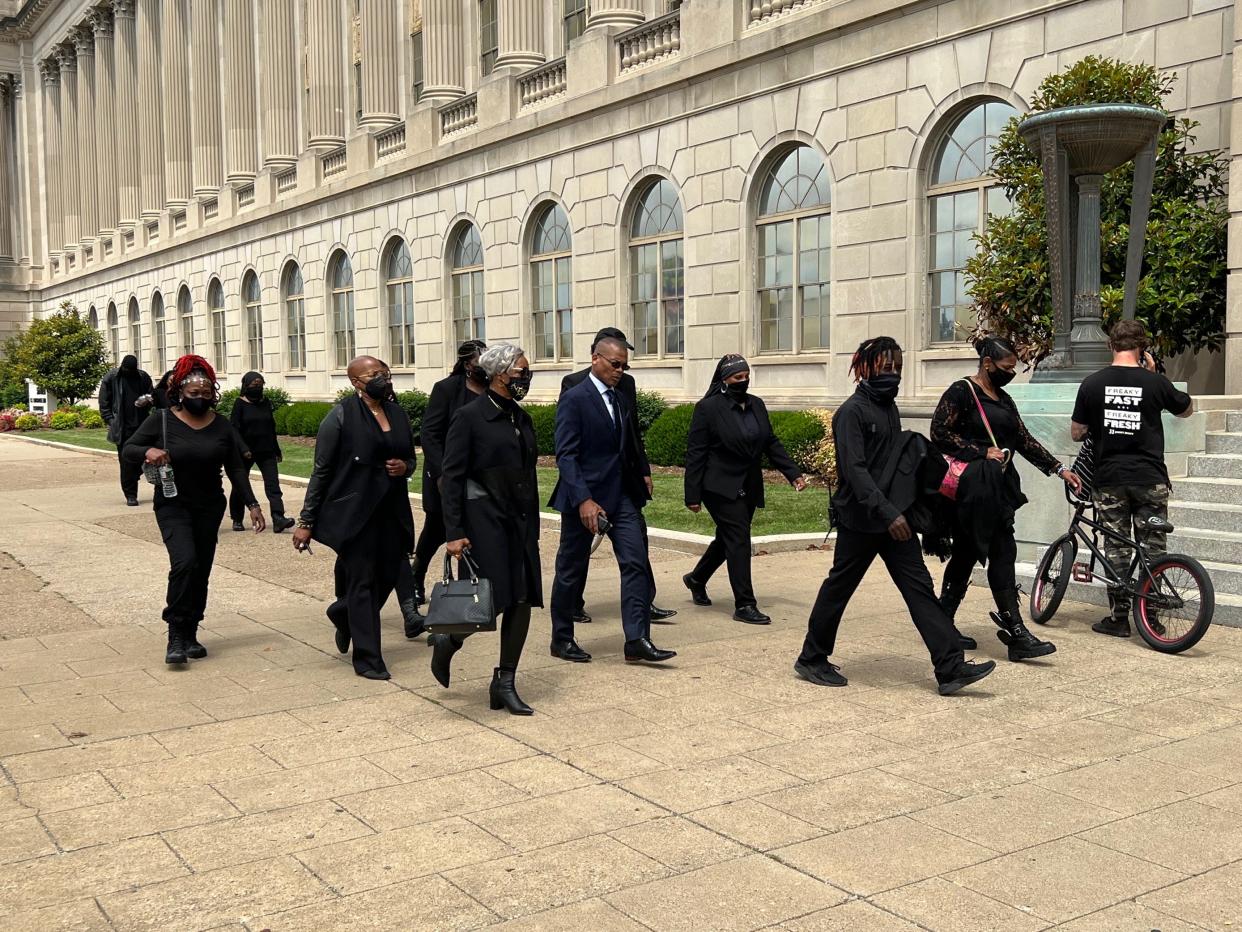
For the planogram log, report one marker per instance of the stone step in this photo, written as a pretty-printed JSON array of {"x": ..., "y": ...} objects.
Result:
[
  {"x": 1233, "y": 420},
  {"x": 1207, "y": 489},
  {"x": 1226, "y": 577},
  {"x": 1202, "y": 544},
  {"x": 1224, "y": 442},
  {"x": 1211, "y": 517},
  {"x": 1215, "y": 465}
]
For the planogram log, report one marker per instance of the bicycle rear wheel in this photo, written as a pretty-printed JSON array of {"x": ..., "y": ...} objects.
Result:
[
  {"x": 1174, "y": 606},
  {"x": 1052, "y": 579}
]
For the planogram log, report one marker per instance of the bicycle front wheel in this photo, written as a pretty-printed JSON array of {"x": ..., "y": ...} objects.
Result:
[
  {"x": 1052, "y": 578},
  {"x": 1174, "y": 606}
]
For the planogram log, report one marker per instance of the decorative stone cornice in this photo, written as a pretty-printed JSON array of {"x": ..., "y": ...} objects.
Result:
[
  {"x": 102, "y": 22},
  {"x": 83, "y": 38},
  {"x": 123, "y": 9},
  {"x": 49, "y": 68},
  {"x": 67, "y": 55}
]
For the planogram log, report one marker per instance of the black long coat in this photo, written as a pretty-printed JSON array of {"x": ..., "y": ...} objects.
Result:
[
  {"x": 723, "y": 459},
  {"x": 447, "y": 396},
  {"x": 492, "y": 444}
]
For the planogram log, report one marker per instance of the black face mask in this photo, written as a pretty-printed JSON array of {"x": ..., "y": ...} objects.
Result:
[
  {"x": 1000, "y": 377},
  {"x": 476, "y": 374},
  {"x": 884, "y": 386},
  {"x": 379, "y": 388},
  {"x": 737, "y": 390},
  {"x": 518, "y": 387},
  {"x": 197, "y": 406},
  {"x": 255, "y": 393}
]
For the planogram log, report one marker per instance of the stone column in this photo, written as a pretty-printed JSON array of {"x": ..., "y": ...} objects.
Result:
[
  {"x": 444, "y": 66},
  {"x": 325, "y": 61},
  {"x": 521, "y": 33},
  {"x": 174, "y": 45},
  {"x": 71, "y": 202},
  {"x": 84, "y": 43},
  {"x": 149, "y": 104},
  {"x": 205, "y": 114},
  {"x": 105, "y": 120},
  {"x": 280, "y": 86},
  {"x": 241, "y": 153},
  {"x": 7, "y": 250},
  {"x": 126, "y": 164},
  {"x": 381, "y": 65},
  {"x": 50, "y": 69},
  {"x": 622, "y": 13}
]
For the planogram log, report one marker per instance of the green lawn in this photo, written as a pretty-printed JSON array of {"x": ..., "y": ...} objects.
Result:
[{"x": 787, "y": 511}]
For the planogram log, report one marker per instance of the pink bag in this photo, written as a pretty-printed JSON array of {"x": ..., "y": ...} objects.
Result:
[{"x": 953, "y": 477}]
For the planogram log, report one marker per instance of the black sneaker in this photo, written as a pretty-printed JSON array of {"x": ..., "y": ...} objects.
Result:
[
  {"x": 822, "y": 673},
  {"x": 967, "y": 672},
  {"x": 1112, "y": 627},
  {"x": 238, "y": 526},
  {"x": 131, "y": 501}
]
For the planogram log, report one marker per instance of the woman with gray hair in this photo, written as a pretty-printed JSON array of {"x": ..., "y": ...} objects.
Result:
[{"x": 491, "y": 508}]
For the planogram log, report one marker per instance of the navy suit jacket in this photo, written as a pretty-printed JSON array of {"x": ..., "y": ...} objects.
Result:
[{"x": 593, "y": 462}]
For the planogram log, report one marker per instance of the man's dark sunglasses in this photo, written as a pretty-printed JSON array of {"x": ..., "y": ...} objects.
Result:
[{"x": 623, "y": 366}]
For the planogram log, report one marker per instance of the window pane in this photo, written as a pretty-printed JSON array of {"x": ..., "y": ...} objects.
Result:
[
  {"x": 798, "y": 181},
  {"x": 998, "y": 204},
  {"x": 674, "y": 340},
  {"x": 776, "y": 320},
  {"x": 966, "y": 151},
  {"x": 815, "y": 317}
]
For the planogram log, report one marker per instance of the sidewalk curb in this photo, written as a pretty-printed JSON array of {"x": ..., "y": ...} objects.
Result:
[{"x": 677, "y": 541}]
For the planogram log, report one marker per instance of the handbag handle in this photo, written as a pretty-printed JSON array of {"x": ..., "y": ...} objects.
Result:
[
  {"x": 465, "y": 561},
  {"x": 982, "y": 413}
]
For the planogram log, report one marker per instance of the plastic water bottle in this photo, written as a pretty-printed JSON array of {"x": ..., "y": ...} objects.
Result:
[{"x": 167, "y": 485}]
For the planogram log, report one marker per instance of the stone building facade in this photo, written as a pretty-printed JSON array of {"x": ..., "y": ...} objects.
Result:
[{"x": 279, "y": 184}]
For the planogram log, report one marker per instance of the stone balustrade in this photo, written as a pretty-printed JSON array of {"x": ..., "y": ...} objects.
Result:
[
  {"x": 333, "y": 163},
  {"x": 763, "y": 11},
  {"x": 462, "y": 114},
  {"x": 649, "y": 42},
  {"x": 287, "y": 181},
  {"x": 390, "y": 142},
  {"x": 543, "y": 83}
]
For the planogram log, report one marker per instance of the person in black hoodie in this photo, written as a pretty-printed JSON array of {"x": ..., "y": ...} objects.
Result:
[
  {"x": 358, "y": 503},
  {"x": 253, "y": 420},
  {"x": 124, "y": 403},
  {"x": 729, "y": 435},
  {"x": 867, "y": 431}
]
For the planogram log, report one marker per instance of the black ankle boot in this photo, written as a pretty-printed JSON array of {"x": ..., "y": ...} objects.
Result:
[
  {"x": 445, "y": 646},
  {"x": 413, "y": 620},
  {"x": 504, "y": 694},
  {"x": 193, "y": 649},
  {"x": 950, "y": 598},
  {"x": 176, "y": 645},
  {"x": 1013, "y": 632}
]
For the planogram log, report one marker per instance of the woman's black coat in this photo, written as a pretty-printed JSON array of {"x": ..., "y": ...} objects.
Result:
[
  {"x": 723, "y": 460},
  {"x": 494, "y": 445},
  {"x": 447, "y": 396}
]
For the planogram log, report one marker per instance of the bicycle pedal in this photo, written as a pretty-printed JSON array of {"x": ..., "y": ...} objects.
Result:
[{"x": 1082, "y": 573}]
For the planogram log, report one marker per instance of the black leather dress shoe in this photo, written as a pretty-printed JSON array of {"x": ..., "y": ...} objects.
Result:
[
  {"x": 238, "y": 526},
  {"x": 375, "y": 674},
  {"x": 661, "y": 614},
  {"x": 642, "y": 650},
  {"x": 581, "y": 617},
  {"x": 751, "y": 615},
  {"x": 698, "y": 591},
  {"x": 132, "y": 501},
  {"x": 281, "y": 524},
  {"x": 569, "y": 650}
]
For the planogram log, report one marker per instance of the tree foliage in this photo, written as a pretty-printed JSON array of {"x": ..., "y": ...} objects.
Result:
[
  {"x": 61, "y": 353},
  {"x": 1181, "y": 294}
]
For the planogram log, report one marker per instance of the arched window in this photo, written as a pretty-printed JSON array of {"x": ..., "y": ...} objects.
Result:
[
  {"x": 657, "y": 271},
  {"x": 92, "y": 318},
  {"x": 135, "y": 330},
  {"x": 295, "y": 316},
  {"x": 960, "y": 196},
  {"x": 159, "y": 330},
  {"x": 252, "y": 301},
  {"x": 794, "y": 254},
  {"x": 185, "y": 320},
  {"x": 341, "y": 281},
  {"x": 469, "y": 316},
  {"x": 114, "y": 332},
  {"x": 219, "y": 324},
  {"x": 552, "y": 284},
  {"x": 399, "y": 296}
]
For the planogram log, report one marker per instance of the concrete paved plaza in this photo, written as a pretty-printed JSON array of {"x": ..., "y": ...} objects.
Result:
[{"x": 267, "y": 787}]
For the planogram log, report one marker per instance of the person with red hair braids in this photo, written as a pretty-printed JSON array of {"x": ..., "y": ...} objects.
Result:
[{"x": 196, "y": 443}]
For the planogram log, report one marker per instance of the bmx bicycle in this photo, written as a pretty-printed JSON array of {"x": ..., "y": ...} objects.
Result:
[{"x": 1171, "y": 596}]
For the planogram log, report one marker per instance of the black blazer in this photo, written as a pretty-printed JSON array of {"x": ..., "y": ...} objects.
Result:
[
  {"x": 447, "y": 397},
  {"x": 627, "y": 388},
  {"x": 592, "y": 464},
  {"x": 722, "y": 459}
]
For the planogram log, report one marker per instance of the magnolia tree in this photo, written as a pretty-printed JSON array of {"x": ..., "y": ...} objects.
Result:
[
  {"x": 61, "y": 353},
  {"x": 1181, "y": 293}
]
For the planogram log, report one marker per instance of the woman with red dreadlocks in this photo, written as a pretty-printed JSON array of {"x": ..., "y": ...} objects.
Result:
[
  {"x": 196, "y": 443},
  {"x": 867, "y": 432}
]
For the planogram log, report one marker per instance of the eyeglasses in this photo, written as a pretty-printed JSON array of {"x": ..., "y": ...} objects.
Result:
[{"x": 617, "y": 364}]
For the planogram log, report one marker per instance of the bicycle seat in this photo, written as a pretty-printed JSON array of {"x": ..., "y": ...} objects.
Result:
[{"x": 1157, "y": 523}]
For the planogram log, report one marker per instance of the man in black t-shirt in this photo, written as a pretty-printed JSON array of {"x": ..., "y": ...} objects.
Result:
[{"x": 1120, "y": 408}]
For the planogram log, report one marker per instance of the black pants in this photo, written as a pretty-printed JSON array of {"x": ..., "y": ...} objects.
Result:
[
  {"x": 189, "y": 530},
  {"x": 851, "y": 559},
  {"x": 365, "y": 574},
  {"x": 130, "y": 472},
  {"x": 270, "y": 469},
  {"x": 1002, "y": 555},
  {"x": 629, "y": 543},
  {"x": 430, "y": 539},
  {"x": 731, "y": 544},
  {"x": 580, "y": 602}
]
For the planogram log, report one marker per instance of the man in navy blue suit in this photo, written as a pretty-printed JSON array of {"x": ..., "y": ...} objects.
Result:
[{"x": 601, "y": 476}]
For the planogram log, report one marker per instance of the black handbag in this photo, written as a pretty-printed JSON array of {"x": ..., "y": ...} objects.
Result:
[{"x": 461, "y": 606}]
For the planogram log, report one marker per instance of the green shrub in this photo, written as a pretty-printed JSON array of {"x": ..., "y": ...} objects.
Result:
[
  {"x": 347, "y": 392},
  {"x": 28, "y": 422},
  {"x": 92, "y": 420},
  {"x": 64, "y": 419},
  {"x": 13, "y": 395},
  {"x": 278, "y": 397},
  {"x": 228, "y": 398},
  {"x": 544, "y": 419},
  {"x": 304, "y": 417},
  {"x": 823, "y": 461},
  {"x": 800, "y": 432},
  {"x": 666, "y": 438},
  {"x": 281, "y": 415},
  {"x": 650, "y": 406},
  {"x": 414, "y": 404}
]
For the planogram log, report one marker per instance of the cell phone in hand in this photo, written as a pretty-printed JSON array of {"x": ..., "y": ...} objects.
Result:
[{"x": 602, "y": 526}]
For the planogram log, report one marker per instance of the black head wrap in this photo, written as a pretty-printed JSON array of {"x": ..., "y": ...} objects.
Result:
[{"x": 730, "y": 364}]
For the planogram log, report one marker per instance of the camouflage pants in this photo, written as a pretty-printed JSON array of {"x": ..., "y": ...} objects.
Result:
[{"x": 1125, "y": 510}]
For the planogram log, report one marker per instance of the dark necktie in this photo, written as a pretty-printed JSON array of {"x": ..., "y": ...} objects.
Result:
[{"x": 612, "y": 407}]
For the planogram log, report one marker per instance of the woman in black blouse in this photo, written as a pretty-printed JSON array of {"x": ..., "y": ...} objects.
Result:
[
  {"x": 990, "y": 490},
  {"x": 196, "y": 443},
  {"x": 254, "y": 420},
  {"x": 729, "y": 434}
]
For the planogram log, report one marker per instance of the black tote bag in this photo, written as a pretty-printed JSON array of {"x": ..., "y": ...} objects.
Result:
[{"x": 461, "y": 606}]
